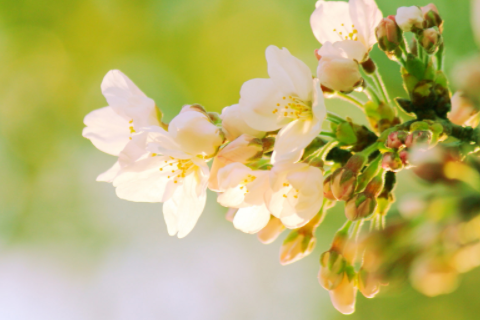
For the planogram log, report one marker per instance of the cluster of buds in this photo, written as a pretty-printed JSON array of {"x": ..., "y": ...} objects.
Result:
[{"x": 422, "y": 135}]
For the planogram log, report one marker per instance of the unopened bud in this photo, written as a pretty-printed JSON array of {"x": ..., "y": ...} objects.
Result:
[
  {"x": 404, "y": 157},
  {"x": 462, "y": 109},
  {"x": 332, "y": 269},
  {"x": 396, "y": 139},
  {"x": 389, "y": 35},
  {"x": 368, "y": 284},
  {"x": 271, "y": 231},
  {"x": 409, "y": 18},
  {"x": 431, "y": 17},
  {"x": 296, "y": 246},
  {"x": 391, "y": 161},
  {"x": 344, "y": 182},
  {"x": 430, "y": 39},
  {"x": 361, "y": 206},
  {"x": 418, "y": 137},
  {"x": 339, "y": 74},
  {"x": 343, "y": 296},
  {"x": 327, "y": 188}
]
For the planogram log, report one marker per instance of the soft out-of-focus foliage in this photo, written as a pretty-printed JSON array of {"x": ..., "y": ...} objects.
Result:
[{"x": 53, "y": 56}]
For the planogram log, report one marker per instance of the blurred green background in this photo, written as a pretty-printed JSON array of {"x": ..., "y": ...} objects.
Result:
[{"x": 69, "y": 249}]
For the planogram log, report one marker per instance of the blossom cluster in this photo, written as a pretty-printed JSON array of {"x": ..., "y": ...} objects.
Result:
[{"x": 271, "y": 164}]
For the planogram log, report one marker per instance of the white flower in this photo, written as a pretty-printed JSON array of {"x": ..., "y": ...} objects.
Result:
[
  {"x": 243, "y": 149},
  {"x": 170, "y": 167},
  {"x": 338, "y": 65},
  {"x": 356, "y": 20},
  {"x": 111, "y": 128},
  {"x": 409, "y": 17},
  {"x": 245, "y": 189},
  {"x": 290, "y": 101},
  {"x": 234, "y": 126},
  {"x": 296, "y": 193}
]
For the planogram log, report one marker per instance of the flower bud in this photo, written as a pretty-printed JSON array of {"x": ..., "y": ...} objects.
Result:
[
  {"x": 396, "y": 139},
  {"x": 332, "y": 269},
  {"x": 431, "y": 17},
  {"x": 343, "y": 296},
  {"x": 345, "y": 133},
  {"x": 391, "y": 161},
  {"x": 430, "y": 39},
  {"x": 404, "y": 157},
  {"x": 344, "y": 182},
  {"x": 368, "y": 284},
  {"x": 243, "y": 149},
  {"x": 271, "y": 231},
  {"x": 418, "y": 137},
  {"x": 361, "y": 206},
  {"x": 462, "y": 109},
  {"x": 409, "y": 18},
  {"x": 339, "y": 74},
  {"x": 296, "y": 246},
  {"x": 327, "y": 188},
  {"x": 389, "y": 35}
]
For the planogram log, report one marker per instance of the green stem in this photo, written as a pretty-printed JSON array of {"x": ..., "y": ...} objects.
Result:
[
  {"x": 439, "y": 56},
  {"x": 370, "y": 149},
  {"x": 350, "y": 99},
  {"x": 328, "y": 134},
  {"x": 381, "y": 85},
  {"x": 332, "y": 117},
  {"x": 344, "y": 229},
  {"x": 356, "y": 229},
  {"x": 326, "y": 149},
  {"x": 372, "y": 95}
]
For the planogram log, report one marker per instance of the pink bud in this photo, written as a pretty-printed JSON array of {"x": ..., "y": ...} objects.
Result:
[
  {"x": 418, "y": 137},
  {"x": 392, "y": 162},
  {"x": 430, "y": 39},
  {"x": 343, "y": 296},
  {"x": 339, "y": 74},
  {"x": 361, "y": 206},
  {"x": 327, "y": 188},
  {"x": 396, "y": 139},
  {"x": 388, "y": 34},
  {"x": 296, "y": 246},
  {"x": 404, "y": 157},
  {"x": 344, "y": 182}
]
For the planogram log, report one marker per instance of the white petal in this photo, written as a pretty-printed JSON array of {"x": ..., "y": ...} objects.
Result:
[
  {"x": 161, "y": 142},
  {"x": 194, "y": 132},
  {"x": 110, "y": 174},
  {"x": 318, "y": 103},
  {"x": 128, "y": 100},
  {"x": 329, "y": 16},
  {"x": 290, "y": 75},
  {"x": 251, "y": 219},
  {"x": 258, "y": 101},
  {"x": 349, "y": 49},
  {"x": 144, "y": 182},
  {"x": 182, "y": 211},
  {"x": 365, "y": 16},
  {"x": 107, "y": 130},
  {"x": 293, "y": 221},
  {"x": 234, "y": 126}
]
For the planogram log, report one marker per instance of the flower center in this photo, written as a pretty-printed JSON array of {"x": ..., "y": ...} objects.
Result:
[
  {"x": 243, "y": 184},
  {"x": 294, "y": 108},
  {"x": 132, "y": 130},
  {"x": 176, "y": 168},
  {"x": 346, "y": 33},
  {"x": 289, "y": 193}
]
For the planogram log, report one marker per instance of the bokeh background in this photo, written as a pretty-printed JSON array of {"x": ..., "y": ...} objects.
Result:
[{"x": 69, "y": 249}]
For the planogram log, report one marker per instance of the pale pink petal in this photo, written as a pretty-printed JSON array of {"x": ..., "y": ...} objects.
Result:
[{"x": 251, "y": 219}]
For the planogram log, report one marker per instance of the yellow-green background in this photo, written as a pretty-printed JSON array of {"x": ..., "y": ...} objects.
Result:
[{"x": 69, "y": 249}]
